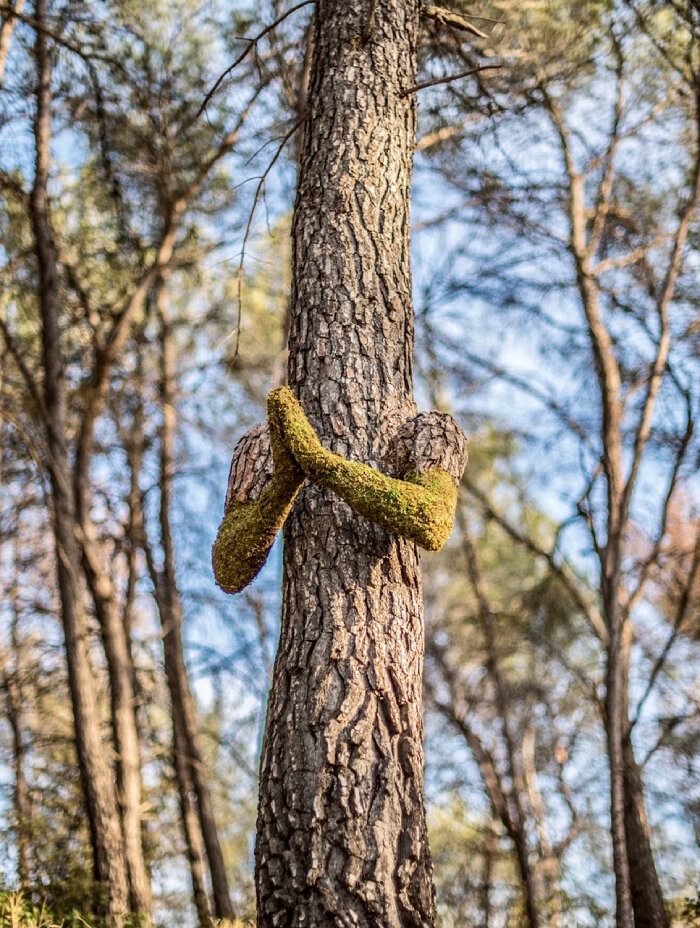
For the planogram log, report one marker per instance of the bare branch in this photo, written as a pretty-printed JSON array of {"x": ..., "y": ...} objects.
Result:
[
  {"x": 664, "y": 343},
  {"x": 632, "y": 257},
  {"x": 449, "y": 80},
  {"x": 251, "y": 44},
  {"x": 562, "y": 571},
  {"x": 652, "y": 558},
  {"x": 249, "y": 225},
  {"x": 83, "y": 52},
  {"x": 6, "y": 30},
  {"x": 108, "y": 350},
  {"x": 534, "y": 391},
  {"x": 681, "y": 615},
  {"x": 606, "y": 184}
]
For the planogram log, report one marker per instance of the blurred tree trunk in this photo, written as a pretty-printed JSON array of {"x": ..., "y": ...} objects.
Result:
[
  {"x": 7, "y": 27},
  {"x": 123, "y": 705},
  {"x": 341, "y": 826},
  {"x": 191, "y": 827},
  {"x": 194, "y": 842},
  {"x": 189, "y": 765},
  {"x": 649, "y": 911},
  {"x": 11, "y": 679},
  {"x": 638, "y": 894},
  {"x": 101, "y": 802}
]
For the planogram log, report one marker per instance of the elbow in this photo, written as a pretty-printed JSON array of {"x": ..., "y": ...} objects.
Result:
[
  {"x": 434, "y": 532},
  {"x": 431, "y": 539},
  {"x": 227, "y": 572}
]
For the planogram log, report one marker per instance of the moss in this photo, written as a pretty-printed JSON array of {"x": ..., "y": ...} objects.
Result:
[
  {"x": 420, "y": 507},
  {"x": 248, "y": 529}
]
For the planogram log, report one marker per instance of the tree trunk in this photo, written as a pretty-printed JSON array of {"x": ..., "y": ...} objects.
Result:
[
  {"x": 123, "y": 706},
  {"x": 190, "y": 826},
  {"x": 185, "y": 725},
  {"x": 101, "y": 804},
  {"x": 627, "y": 792},
  {"x": 12, "y": 684},
  {"x": 20, "y": 792},
  {"x": 615, "y": 723},
  {"x": 647, "y": 899},
  {"x": 7, "y": 27},
  {"x": 185, "y": 787},
  {"x": 341, "y": 826}
]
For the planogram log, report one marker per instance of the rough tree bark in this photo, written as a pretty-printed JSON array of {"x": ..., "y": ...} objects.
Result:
[
  {"x": 101, "y": 802},
  {"x": 341, "y": 827}
]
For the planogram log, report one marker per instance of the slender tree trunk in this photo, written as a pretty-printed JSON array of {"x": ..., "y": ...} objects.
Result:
[
  {"x": 615, "y": 723},
  {"x": 627, "y": 791},
  {"x": 186, "y": 793},
  {"x": 21, "y": 792},
  {"x": 185, "y": 724},
  {"x": 490, "y": 851},
  {"x": 515, "y": 816},
  {"x": 12, "y": 683},
  {"x": 191, "y": 827},
  {"x": 647, "y": 899},
  {"x": 123, "y": 708},
  {"x": 341, "y": 826},
  {"x": 101, "y": 804},
  {"x": 7, "y": 27}
]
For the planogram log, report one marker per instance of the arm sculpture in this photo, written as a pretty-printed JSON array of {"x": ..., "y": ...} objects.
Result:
[
  {"x": 419, "y": 505},
  {"x": 263, "y": 483}
]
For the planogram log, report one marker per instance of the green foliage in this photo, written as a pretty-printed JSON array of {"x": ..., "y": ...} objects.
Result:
[
  {"x": 17, "y": 910},
  {"x": 467, "y": 855},
  {"x": 686, "y": 912}
]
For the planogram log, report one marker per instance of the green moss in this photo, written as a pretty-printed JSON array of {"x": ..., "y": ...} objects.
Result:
[
  {"x": 420, "y": 508},
  {"x": 248, "y": 529}
]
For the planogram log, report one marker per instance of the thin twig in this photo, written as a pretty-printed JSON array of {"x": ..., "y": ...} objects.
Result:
[
  {"x": 249, "y": 226},
  {"x": 561, "y": 569},
  {"x": 86, "y": 54},
  {"x": 251, "y": 44},
  {"x": 448, "y": 80},
  {"x": 681, "y": 614}
]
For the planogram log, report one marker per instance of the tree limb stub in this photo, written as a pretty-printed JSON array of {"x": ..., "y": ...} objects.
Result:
[{"x": 450, "y": 18}]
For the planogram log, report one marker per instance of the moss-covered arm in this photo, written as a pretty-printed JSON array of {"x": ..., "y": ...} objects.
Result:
[
  {"x": 420, "y": 507},
  {"x": 250, "y": 525}
]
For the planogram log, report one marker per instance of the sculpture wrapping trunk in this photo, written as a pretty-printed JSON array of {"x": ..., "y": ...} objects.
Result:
[{"x": 341, "y": 828}]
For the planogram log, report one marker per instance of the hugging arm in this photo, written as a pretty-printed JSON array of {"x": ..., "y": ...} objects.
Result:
[
  {"x": 420, "y": 507},
  {"x": 249, "y": 527}
]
